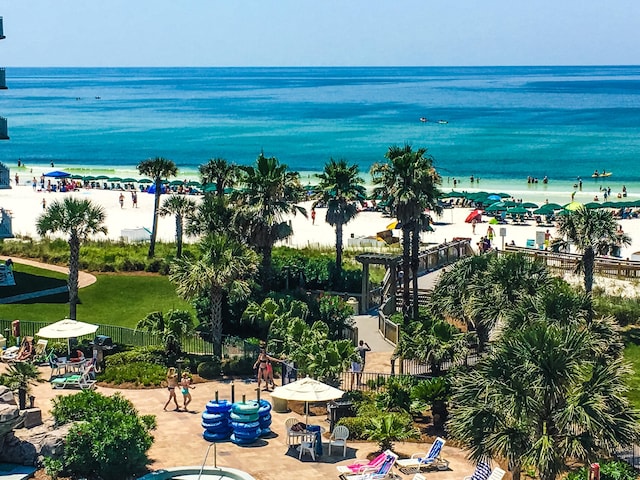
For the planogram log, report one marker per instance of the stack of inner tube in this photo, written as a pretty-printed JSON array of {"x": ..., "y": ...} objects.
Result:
[
  {"x": 264, "y": 419},
  {"x": 216, "y": 421},
  {"x": 244, "y": 422}
]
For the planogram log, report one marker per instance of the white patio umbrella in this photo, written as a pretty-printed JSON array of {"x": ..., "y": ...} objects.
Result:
[
  {"x": 307, "y": 390},
  {"x": 67, "y": 328}
]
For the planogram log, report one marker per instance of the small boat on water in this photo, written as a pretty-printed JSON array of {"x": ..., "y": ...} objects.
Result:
[
  {"x": 442, "y": 122},
  {"x": 423, "y": 119},
  {"x": 597, "y": 174}
]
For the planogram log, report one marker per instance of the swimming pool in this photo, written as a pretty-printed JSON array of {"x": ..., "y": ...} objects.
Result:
[{"x": 193, "y": 473}]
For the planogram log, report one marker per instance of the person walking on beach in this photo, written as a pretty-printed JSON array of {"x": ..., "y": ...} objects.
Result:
[
  {"x": 121, "y": 200},
  {"x": 134, "y": 199},
  {"x": 172, "y": 383},
  {"x": 490, "y": 233},
  {"x": 44, "y": 203},
  {"x": 473, "y": 226},
  {"x": 313, "y": 216},
  {"x": 185, "y": 385}
]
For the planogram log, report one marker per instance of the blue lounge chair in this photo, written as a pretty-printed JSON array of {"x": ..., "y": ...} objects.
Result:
[{"x": 425, "y": 460}]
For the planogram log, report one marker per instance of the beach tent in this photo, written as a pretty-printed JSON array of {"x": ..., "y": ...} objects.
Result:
[
  {"x": 57, "y": 174},
  {"x": 152, "y": 189},
  {"x": 476, "y": 214},
  {"x": 139, "y": 234}
]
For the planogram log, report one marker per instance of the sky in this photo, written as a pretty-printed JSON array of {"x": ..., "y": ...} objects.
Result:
[{"x": 86, "y": 33}]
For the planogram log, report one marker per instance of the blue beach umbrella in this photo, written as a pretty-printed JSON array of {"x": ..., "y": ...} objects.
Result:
[{"x": 57, "y": 174}]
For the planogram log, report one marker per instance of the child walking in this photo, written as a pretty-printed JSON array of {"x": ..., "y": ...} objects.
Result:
[{"x": 185, "y": 385}]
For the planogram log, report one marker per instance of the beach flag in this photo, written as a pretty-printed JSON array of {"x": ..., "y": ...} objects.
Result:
[{"x": 482, "y": 472}]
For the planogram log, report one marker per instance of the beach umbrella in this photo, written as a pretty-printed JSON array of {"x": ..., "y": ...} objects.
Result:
[
  {"x": 519, "y": 210},
  {"x": 307, "y": 390},
  {"x": 76, "y": 177},
  {"x": 453, "y": 194},
  {"x": 176, "y": 183},
  {"x": 529, "y": 205},
  {"x": 573, "y": 206},
  {"x": 495, "y": 197},
  {"x": 494, "y": 221},
  {"x": 210, "y": 187},
  {"x": 510, "y": 203},
  {"x": 145, "y": 180},
  {"x": 102, "y": 177},
  {"x": 635, "y": 203},
  {"x": 544, "y": 210},
  {"x": 67, "y": 328},
  {"x": 114, "y": 179},
  {"x": 496, "y": 207},
  {"x": 593, "y": 205},
  {"x": 129, "y": 180},
  {"x": 504, "y": 195},
  {"x": 477, "y": 214},
  {"x": 553, "y": 206},
  {"x": 88, "y": 178},
  {"x": 57, "y": 174},
  {"x": 393, "y": 225},
  {"x": 229, "y": 190},
  {"x": 193, "y": 183}
]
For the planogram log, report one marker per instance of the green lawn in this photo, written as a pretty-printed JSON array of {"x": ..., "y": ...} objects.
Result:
[
  {"x": 632, "y": 356},
  {"x": 115, "y": 299}
]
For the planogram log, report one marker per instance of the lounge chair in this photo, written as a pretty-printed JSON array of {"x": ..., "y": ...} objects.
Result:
[
  {"x": 482, "y": 472},
  {"x": 418, "y": 461},
  {"x": 382, "y": 472},
  {"x": 378, "y": 469},
  {"x": 82, "y": 380},
  {"x": 24, "y": 353},
  {"x": 40, "y": 351}
]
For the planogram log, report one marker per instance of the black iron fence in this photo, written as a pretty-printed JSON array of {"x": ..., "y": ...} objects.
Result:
[
  {"x": 631, "y": 455},
  {"x": 370, "y": 381},
  {"x": 232, "y": 346}
]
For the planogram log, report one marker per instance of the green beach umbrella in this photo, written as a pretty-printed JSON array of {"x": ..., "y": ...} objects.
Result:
[
  {"x": 453, "y": 194},
  {"x": 543, "y": 210},
  {"x": 176, "y": 183},
  {"x": 529, "y": 205},
  {"x": 88, "y": 178},
  {"x": 145, "y": 180},
  {"x": 102, "y": 177},
  {"x": 593, "y": 205},
  {"x": 510, "y": 203},
  {"x": 553, "y": 206},
  {"x": 76, "y": 177},
  {"x": 114, "y": 179},
  {"x": 496, "y": 207},
  {"x": 193, "y": 183},
  {"x": 210, "y": 187},
  {"x": 504, "y": 195},
  {"x": 129, "y": 180},
  {"x": 519, "y": 210}
]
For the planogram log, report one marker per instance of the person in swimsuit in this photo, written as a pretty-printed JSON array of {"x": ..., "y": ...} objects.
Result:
[
  {"x": 172, "y": 383},
  {"x": 185, "y": 385},
  {"x": 262, "y": 364}
]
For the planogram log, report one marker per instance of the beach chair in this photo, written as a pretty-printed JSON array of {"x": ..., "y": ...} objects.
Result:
[
  {"x": 482, "y": 472},
  {"x": 82, "y": 380},
  {"x": 361, "y": 467},
  {"x": 418, "y": 461},
  {"x": 40, "y": 351},
  {"x": 382, "y": 472}
]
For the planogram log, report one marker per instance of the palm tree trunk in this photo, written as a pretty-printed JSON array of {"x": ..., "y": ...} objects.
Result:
[
  {"x": 179, "y": 235},
  {"x": 154, "y": 230},
  {"x": 267, "y": 252},
  {"x": 406, "y": 258},
  {"x": 74, "y": 266},
  {"x": 588, "y": 263},
  {"x": 338, "y": 251},
  {"x": 415, "y": 252},
  {"x": 215, "y": 297}
]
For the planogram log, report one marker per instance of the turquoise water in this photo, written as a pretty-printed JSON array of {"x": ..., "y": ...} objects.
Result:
[{"x": 504, "y": 123}]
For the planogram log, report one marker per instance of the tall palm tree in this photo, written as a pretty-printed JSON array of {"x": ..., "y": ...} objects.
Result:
[
  {"x": 539, "y": 398},
  {"x": 158, "y": 169},
  {"x": 220, "y": 172},
  {"x": 181, "y": 207},
  {"x": 271, "y": 191},
  {"x": 593, "y": 232},
  {"x": 79, "y": 219},
  {"x": 407, "y": 183},
  {"x": 340, "y": 189},
  {"x": 224, "y": 268}
]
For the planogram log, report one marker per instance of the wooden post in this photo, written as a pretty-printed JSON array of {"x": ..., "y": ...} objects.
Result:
[{"x": 233, "y": 393}]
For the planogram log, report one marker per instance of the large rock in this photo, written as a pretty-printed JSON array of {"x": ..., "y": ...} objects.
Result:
[
  {"x": 31, "y": 446},
  {"x": 9, "y": 412}
]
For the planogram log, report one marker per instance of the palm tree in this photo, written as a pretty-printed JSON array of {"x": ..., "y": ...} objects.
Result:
[
  {"x": 172, "y": 327},
  {"x": 79, "y": 219},
  {"x": 540, "y": 397},
  {"x": 340, "y": 189},
  {"x": 407, "y": 183},
  {"x": 593, "y": 232},
  {"x": 181, "y": 207},
  {"x": 220, "y": 172},
  {"x": 158, "y": 169},
  {"x": 224, "y": 268},
  {"x": 20, "y": 377},
  {"x": 271, "y": 191}
]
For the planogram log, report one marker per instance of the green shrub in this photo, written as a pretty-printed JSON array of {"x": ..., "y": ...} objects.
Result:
[
  {"x": 356, "y": 425},
  {"x": 237, "y": 366},
  {"x": 136, "y": 373},
  {"x": 626, "y": 311},
  {"x": 609, "y": 470},
  {"x": 109, "y": 441},
  {"x": 153, "y": 354},
  {"x": 210, "y": 369}
]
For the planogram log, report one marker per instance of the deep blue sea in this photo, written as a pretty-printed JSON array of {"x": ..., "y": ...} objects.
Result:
[{"x": 504, "y": 123}]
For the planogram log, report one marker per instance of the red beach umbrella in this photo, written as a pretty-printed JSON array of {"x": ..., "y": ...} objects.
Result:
[{"x": 477, "y": 214}]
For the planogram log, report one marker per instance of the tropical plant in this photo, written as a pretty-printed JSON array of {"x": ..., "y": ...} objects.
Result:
[
  {"x": 270, "y": 192},
  {"x": 171, "y": 327},
  {"x": 179, "y": 206},
  {"x": 389, "y": 428},
  {"x": 338, "y": 316},
  {"x": 224, "y": 268},
  {"x": 592, "y": 232},
  {"x": 541, "y": 396},
  {"x": 158, "y": 169},
  {"x": 406, "y": 182},
  {"x": 19, "y": 377},
  {"x": 340, "y": 189},
  {"x": 220, "y": 172},
  {"x": 215, "y": 214},
  {"x": 79, "y": 219}
]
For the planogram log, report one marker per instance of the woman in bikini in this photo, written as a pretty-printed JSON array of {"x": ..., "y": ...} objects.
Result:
[
  {"x": 172, "y": 383},
  {"x": 262, "y": 364}
]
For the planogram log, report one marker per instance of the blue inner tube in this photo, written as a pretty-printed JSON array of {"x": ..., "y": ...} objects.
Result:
[
  {"x": 265, "y": 419},
  {"x": 244, "y": 426},
  {"x": 221, "y": 406},
  {"x": 242, "y": 441},
  {"x": 247, "y": 435},
  {"x": 265, "y": 431},
  {"x": 215, "y": 437},
  {"x": 265, "y": 407},
  {"x": 245, "y": 408},
  {"x": 214, "y": 417},
  {"x": 224, "y": 424},
  {"x": 237, "y": 417}
]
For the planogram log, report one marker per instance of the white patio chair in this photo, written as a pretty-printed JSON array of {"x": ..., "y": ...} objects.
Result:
[
  {"x": 291, "y": 435},
  {"x": 339, "y": 439},
  {"x": 308, "y": 444}
]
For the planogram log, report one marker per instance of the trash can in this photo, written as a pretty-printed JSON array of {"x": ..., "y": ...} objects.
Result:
[
  {"x": 338, "y": 410},
  {"x": 280, "y": 405},
  {"x": 353, "y": 303}
]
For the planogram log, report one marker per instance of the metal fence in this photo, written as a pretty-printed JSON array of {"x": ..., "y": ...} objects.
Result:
[
  {"x": 370, "y": 381},
  {"x": 631, "y": 455},
  {"x": 232, "y": 346}
]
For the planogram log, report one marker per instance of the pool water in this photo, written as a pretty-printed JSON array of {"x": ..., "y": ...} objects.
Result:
[{"x": 193, "y": 473}]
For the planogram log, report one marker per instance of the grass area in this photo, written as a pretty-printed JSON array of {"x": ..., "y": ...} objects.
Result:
[
  {"x": 632, "y": 356},
  {"x": 115, "y": 299}
]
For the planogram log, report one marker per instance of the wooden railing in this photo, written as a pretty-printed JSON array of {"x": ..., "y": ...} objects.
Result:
[{"x": 604, "y": 266}]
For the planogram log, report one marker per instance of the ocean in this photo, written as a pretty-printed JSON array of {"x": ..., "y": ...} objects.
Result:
[{"x": 499, "y": 124}]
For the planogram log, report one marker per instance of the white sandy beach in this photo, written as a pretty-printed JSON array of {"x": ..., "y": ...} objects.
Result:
[{"x": 26, "y": 205}]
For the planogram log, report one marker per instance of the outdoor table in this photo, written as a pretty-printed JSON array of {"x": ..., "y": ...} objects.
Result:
[{"x": 318, "y": 430}]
